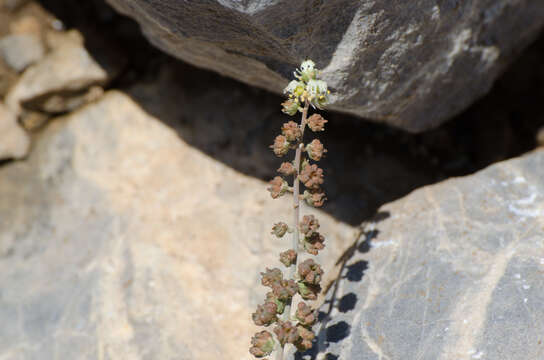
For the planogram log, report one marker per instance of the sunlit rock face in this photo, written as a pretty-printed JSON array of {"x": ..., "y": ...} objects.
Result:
[{"x": 452, "y": 271}]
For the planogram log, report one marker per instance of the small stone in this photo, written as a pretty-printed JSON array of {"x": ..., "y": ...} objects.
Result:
[
  {"x": 56, "y": 39},
  {"x": 33, "y": 120},
  {"x": 14, "y": 141},
  {"x": 67, "y": 69},
  {"x": 21, "y": 51}
]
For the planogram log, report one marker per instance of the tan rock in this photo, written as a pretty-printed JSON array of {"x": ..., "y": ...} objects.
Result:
[
  {"x": 66, "y": 69},
  {"x": 14, "y": 142},
  {"x": 135, "y": 244},
  {"x": 26, "y": 25}
]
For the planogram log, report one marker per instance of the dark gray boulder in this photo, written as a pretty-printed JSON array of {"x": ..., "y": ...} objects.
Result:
[
  {"x": 411, "y": 64},
  {"x": 453, "y": 271}
]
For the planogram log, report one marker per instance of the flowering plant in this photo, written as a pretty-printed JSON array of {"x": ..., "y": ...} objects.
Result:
[{"x": 292, "y": 324}]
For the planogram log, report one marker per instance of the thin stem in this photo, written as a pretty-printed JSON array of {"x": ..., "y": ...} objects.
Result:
[{"x": 296, "y": 206}]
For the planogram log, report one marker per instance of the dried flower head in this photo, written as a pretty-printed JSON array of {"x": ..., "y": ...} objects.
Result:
[
  {"x": 263, "y": 344},
  {"x": 315, "y": 150},
  {"x": 305, "y": 315},
  {"x": 285, "y": 289},
  {"x": 271, "y": 276},
  {"x": 306, "y": 337},
  {"x": 279, "y": 229},
  {"x": 287, "y": 169},
  {"x": 286, "y": 332},
  {"x": 308, "y": 225},
  {"x": 288, "y": 257},
  {"x": 270, "y": 297},
  {"x": 278, "y": 187},
  {"x": 314, "y": 243},
  {"x": 265, "y": 314},
  {"x": 291, "y": 131},
  {"x": 310, "y": 272},
  {"x": 311, "y": 176},
  {"x": 315, "y": 198},
  {"x": 307, "y": 291},
  {"x": 281, "y": 146},
  {"x": 316, "y": 122}
]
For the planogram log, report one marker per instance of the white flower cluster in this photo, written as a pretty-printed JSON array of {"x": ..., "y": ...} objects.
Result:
[{"x": 307, "y": 87}]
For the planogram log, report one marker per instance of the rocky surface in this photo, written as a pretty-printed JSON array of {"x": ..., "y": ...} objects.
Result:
[
  {"x": 409, "y": 64},
  {"x": 14, "y": 142},
  {"x": 118, "y": 240},
  {"x": 20, "y": 51},
  {"x": 66, "y": 72},
  {"x": 452, "y": 271}
]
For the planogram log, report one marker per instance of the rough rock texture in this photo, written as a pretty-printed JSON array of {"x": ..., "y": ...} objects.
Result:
[
  {"x": 14, "y": 142},
  {"x": 119, "y": 241},
  {"x": 67, "y": 71},
  {"x": 453, "y": 271},
  {"x": 412, "y": 64},
  {"x": 20, "y": 51}
]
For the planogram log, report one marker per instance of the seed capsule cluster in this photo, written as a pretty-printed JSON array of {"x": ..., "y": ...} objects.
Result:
[{"x": 294, "y": 326}]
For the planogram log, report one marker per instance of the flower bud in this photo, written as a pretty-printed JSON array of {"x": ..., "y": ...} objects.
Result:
[
  {"x": 287, "y": 169},
  {"x": 279, "y": 229},
  {"x": 311, "y": 176},
  {"x": 290, "y": 107},
  {"x": 314, "y": 198},
  {"x": 288, "y": 257},
  {"x": 314, "y": 243},
  {"x": 316, "y": 122},
  {"x": 308, "y": 292},
  {"x": 280, "y": 305},
  {"x": 291, "y": 131},
  {"x": 265, "y": 314},
  {"x": 278, "y": 187},
  {"x": 286, "y": 332},
  {"x": 305, "y": 315},
  {"x": 271, "y": 276},
  {"x": 315, "y": 150},
  {"x": 280, "y": 146},
  {"x": 307, "y": 71},
  {"x": 308, "y": 225},
  {"x": 284, "y": 289},
  {"x": 310, "y": 272},
  {"x": 263, "y": 344},
  {"x": 306, "y": 337}
]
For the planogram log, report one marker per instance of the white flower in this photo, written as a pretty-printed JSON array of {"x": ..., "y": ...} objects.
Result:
[
  {"x": 317, "y": 92},
  {"x": 294, "y": 88},
  {"x": 307, "y": 65},
  {"x": 316, "y": 88},
  {"x": 307, "y": 71}
]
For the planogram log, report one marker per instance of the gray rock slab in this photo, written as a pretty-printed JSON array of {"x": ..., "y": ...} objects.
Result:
[
  {"x": 411, "y": 64},
  {"x": 21, "y": 51},
  {"x": 120, "y": 241},
  {"x": 453, "y": 271}
]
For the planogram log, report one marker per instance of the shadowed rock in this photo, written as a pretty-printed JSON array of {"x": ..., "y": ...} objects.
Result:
[{"x": 411, "y": 64}]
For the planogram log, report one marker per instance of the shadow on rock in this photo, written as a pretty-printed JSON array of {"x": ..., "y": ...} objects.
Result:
[
  {"x": 368, "y": 164},
  {"x": 336, "y": 332}
]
